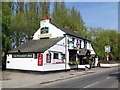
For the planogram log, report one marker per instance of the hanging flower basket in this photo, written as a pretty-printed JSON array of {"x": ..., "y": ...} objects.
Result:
[{"x": 73, "y": 62}]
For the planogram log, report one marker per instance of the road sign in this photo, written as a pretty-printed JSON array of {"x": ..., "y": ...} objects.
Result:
[
  {"x": 107, "y": 55},
  {"x": 107, "y": 48}
]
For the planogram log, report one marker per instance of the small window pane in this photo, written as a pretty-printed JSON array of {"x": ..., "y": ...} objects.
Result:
[
  {"x": 35, "y": 56},
  {"x": 48, "y": 58},
  {"x": 80, "y": 44},
  {"x": 55, "y": 56},
  {"x": 63, "y": 56},
  {"x": 44, "y": 30}
]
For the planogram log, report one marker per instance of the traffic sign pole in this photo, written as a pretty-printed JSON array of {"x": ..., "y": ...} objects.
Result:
[{"x": 107, "y": 50}]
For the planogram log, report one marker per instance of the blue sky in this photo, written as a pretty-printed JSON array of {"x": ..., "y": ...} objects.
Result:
[{"x": 97, "y": 14}]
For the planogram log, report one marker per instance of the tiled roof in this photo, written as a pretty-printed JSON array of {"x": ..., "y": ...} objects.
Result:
[
  {"x": 36, "y": 45},
  {"x": 70, "y": 32}
]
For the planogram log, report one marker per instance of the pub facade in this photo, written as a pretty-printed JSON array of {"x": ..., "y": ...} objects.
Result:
[{"x": 53, "y": 48}]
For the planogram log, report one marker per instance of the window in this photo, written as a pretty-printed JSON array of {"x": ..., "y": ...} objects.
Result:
[
  {"x": 73, "y": 39},
  {"x": 77, "y": 44},
  {"x": 63, "y": 56},
  {"x": 55, "y": 56},
  {"x": 48, "y": 58},
  {"x": 80, "y": 44},
  {"x": 85, "y": 44},
  {"x": 35, "y": 56},
  {"x": 44, "y": 30}
]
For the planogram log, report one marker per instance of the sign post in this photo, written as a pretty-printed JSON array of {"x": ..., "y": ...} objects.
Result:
[{"x": 107, "y": 50}]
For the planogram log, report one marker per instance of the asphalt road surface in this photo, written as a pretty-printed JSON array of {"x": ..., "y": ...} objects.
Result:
[{"x": 109, "y": 78}]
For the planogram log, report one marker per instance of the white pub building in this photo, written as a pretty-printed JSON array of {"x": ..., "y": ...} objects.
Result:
[{"x": 53, "y": 48}]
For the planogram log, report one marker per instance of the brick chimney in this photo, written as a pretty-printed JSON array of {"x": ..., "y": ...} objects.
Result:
[
  {"x": 45, "y": 20},
  {"x": 45, "y": 17},
  {"x": 73, "y": 29}
]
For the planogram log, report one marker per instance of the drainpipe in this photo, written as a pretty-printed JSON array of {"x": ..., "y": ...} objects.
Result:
[{"x": 65, "y": 52}]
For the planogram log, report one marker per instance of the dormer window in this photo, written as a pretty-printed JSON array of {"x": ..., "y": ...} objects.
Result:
[{"x": 44, "y": 30}]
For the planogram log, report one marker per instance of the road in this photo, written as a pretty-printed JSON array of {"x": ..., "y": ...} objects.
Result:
[{"x": 109, "y": 78}]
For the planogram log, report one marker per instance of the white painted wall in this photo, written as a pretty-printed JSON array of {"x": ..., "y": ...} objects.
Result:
[
  {"x": 96, "y": 61},
  {"x": 84, "y": 66},
  {"x": 82, "y": 44},
  {"x": 23, "y": 63},
  {"x": 89, "y": 46},
  {"x": 55, "y": 32},
  {"x": 60, "y": 46}
]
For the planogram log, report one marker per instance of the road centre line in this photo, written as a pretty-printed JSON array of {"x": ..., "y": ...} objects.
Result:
[{"x": 91, "y": 85}]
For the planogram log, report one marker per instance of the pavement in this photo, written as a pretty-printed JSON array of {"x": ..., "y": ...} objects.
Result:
[{"x": 13, "y": 79}]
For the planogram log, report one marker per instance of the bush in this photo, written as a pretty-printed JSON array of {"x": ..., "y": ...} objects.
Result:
[{"x": 73, "y": 62}]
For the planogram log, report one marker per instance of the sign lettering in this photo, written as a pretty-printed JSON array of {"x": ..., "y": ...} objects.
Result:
[{"x": 22, "y": 55}]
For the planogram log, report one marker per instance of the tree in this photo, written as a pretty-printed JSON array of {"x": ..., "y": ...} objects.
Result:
[
  {"x": 67, "y": 18},
  {"x": 100, "y": 38},
  {"x": 60, "y": 15},
  {"x": 45, "y": 8},
  {"x": 6, "y": 27},
  {"x": 6, "y": 31},
  {"x": 77, "y": 21},
  {"x": 93, "y": 33},
  {"x": 24, "y": 22},
  {"x": 32, "y": 23}
]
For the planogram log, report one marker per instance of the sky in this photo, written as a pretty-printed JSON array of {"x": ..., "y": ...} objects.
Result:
[{"x": 97, "y": 14}]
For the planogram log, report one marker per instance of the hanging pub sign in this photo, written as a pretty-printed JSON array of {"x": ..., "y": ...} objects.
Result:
[
  {"x": 107, "y": 48},
  {"x": 71, "y": 45},
  {"x": 40, "y": 59},
  {"x": 77, "y": 44}
]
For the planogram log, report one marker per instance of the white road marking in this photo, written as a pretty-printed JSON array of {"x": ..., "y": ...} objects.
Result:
[
  {"x": 91, "y": 85},
  {"x": 108, "y": 77}
]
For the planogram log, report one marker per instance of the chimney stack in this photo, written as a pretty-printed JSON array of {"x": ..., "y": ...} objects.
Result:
[
  {"x": 73, "y": 29},
  {"x": 45, "y": 20},
  {"x": 45, "y": 17}
]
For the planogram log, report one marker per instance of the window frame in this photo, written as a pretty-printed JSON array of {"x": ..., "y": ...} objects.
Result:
[
  {"x": 50, "y": 57},
  {"x": 35, "y": 55},
  {"x": 44, "y": 28},
  {"x": 80, "y": 44},
  {"x": 58, "y": 57}
]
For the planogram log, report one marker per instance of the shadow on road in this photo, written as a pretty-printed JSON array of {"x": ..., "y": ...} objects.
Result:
[{"x": 117, "y": 75}]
